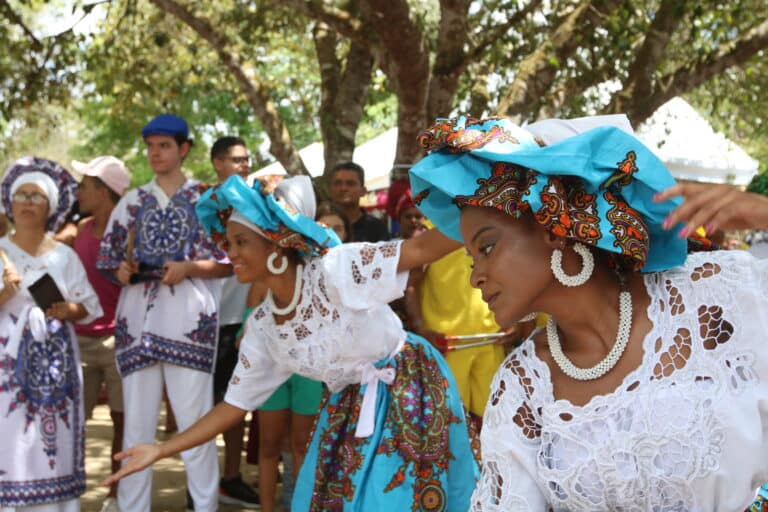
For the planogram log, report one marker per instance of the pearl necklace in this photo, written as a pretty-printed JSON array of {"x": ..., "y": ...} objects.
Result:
[
  {"x": 294, "y": 300},
  {"x": 607, "y": 364}
]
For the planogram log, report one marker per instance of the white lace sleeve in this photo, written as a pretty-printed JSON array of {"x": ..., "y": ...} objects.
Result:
[
  {"x": 510, "y": 440},
  {"x": 364, "y": 275},
  {"x": 256, "y": 375}
]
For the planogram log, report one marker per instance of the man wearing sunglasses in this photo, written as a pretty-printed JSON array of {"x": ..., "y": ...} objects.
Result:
[{"x": 229, "y": 156}]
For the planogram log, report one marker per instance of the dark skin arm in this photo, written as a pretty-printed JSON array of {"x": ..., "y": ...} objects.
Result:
[
  {"x": 421, "y": 250},
  {"x": 219, "y": 419}
]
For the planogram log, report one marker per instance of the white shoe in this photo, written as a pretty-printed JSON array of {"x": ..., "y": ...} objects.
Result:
[{"x": 110, "y": 505}]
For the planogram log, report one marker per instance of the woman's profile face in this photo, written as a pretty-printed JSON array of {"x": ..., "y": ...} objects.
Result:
[
  {"x": 510, "y": 261},
  {"x": 248, "y": 252}
]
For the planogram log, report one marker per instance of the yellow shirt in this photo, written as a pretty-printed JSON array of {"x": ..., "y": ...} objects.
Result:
[{"x": 449, "y": 305}]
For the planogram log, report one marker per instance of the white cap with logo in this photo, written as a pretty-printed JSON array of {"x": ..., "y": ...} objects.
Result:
[{"x": 108, "y": 169}]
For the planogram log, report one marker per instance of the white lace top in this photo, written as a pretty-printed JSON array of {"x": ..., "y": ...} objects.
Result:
[
  {"x": 342, "y": 323},
  {"x": 686, "y": 431}
]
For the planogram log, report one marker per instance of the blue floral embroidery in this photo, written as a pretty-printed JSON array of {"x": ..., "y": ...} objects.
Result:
[
  {"x": 44, "y": 380},
  {"x": 205, "y": 332},
  {"x": 122, "y": 338}
]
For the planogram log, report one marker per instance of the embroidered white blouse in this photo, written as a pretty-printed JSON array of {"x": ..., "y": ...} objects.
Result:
[
  {"x": 686, "y": 431},
  {"x": 341, "y": 327}
]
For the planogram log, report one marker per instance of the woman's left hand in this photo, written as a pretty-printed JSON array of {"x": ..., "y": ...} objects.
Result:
[{"x": 64, "y": 310}]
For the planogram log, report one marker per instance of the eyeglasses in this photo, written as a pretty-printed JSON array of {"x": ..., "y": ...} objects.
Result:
[
  {"x": 239, "y": 159},
  {"x": 34, "y": 198}
]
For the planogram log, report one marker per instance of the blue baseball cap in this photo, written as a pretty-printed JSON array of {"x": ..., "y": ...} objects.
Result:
[{"x": 166, "y": 124}]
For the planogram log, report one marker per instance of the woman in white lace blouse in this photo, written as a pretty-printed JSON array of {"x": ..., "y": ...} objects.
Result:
[
  {"x": 391, "y": 435},
  {"x": 645, "y": 391}
]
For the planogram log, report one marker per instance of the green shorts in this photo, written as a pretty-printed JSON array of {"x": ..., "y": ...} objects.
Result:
[{"x": 299, "y": 394}]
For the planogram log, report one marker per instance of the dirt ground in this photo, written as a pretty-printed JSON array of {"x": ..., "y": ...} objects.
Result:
[{"x": 169, "y": 484}]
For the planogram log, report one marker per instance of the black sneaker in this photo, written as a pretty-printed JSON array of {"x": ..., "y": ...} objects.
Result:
[{"x": 236, "y": 492}]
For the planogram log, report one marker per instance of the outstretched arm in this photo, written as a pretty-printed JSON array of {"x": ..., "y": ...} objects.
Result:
[
  {"x": 219, "y": 419},
  {"x": 424, "y": 249},
  {"x": 715, "y": 207}
]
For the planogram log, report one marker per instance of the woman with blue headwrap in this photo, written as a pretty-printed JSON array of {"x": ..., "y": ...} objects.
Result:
[
  {"x": 646, "y": 391},
  {"x": 391, "y": 434}
]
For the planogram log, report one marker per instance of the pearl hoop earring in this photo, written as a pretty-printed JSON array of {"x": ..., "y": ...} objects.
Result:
[
  {"x": 271, "y": 264},
  {"x": 586, "y": 270}
]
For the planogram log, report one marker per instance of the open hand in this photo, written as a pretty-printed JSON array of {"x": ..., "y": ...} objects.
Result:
[
  {"x": 136, "y": 458},
  {"x": 714, "y": 207}
]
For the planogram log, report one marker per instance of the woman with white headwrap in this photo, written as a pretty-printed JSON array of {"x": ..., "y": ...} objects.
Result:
[{"x": 41, "y": 465}]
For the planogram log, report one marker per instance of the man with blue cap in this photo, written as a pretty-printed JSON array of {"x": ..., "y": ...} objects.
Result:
[{"x": 166, "y": 319}]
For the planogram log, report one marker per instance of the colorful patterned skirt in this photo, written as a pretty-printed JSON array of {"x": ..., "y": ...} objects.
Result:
[{"x": 420, "y": 457}]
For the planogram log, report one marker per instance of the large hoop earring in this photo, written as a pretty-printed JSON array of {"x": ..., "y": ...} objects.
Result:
[
  {"x": 586, "y": 270},
  {"x": 271, "y": 264}
]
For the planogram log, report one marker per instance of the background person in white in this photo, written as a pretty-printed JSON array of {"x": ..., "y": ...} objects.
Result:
[{"x": 166, "y": 327}]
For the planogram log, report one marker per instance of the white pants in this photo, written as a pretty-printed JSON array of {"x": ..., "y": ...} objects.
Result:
[
  {"x": 72, "y": 505},
  {"x": 191, "y": 395}
]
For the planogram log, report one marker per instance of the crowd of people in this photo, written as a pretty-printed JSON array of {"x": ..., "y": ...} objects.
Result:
[{"x": 389, "y": 369}]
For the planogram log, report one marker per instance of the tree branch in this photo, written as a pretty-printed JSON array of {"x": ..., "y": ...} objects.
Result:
[
  {"x": 493, "y": 34},
  {"x": 9, "y": 13},
  {"x": 641, "y": 72},
  {"x": 449, "y": 63},
  {"x": 692, "y": 75},
  {"x": 281, "y": 145},
  {"x": 536, "y": 73},
  {"x": 342, "y": 21}
]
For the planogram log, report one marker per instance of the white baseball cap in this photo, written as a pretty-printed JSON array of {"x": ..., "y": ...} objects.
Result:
[{"x": 108, "y": 169}]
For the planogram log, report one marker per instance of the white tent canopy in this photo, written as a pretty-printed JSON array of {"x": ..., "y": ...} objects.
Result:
[
  {"x": 375, "y": 156},
  {"x": 691, "y": 149},
  {"x": 683, "y": 139}
]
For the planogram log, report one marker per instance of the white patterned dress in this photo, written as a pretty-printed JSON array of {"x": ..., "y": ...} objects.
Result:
[
  {"x": 154, "y": 322},
  {"x": 41, "y": 407},
  {"x": 686, "y": 430}
]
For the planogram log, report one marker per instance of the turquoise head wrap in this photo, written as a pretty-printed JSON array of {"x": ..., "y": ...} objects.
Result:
[
  {"x": 596, "y": 187},
  {"x": 277, "y": 219}
]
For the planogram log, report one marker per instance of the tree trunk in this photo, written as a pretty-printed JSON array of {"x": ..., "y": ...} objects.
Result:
[
  {"x": 407, "y": 67},
  {"x": 344, "y": 90},
  {"x": 452, "y": 41}
]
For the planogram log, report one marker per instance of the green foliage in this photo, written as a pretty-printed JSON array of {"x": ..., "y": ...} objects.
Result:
[
  {"x": 141, "y": 61},
  {"x": 743, "y": 115}
]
